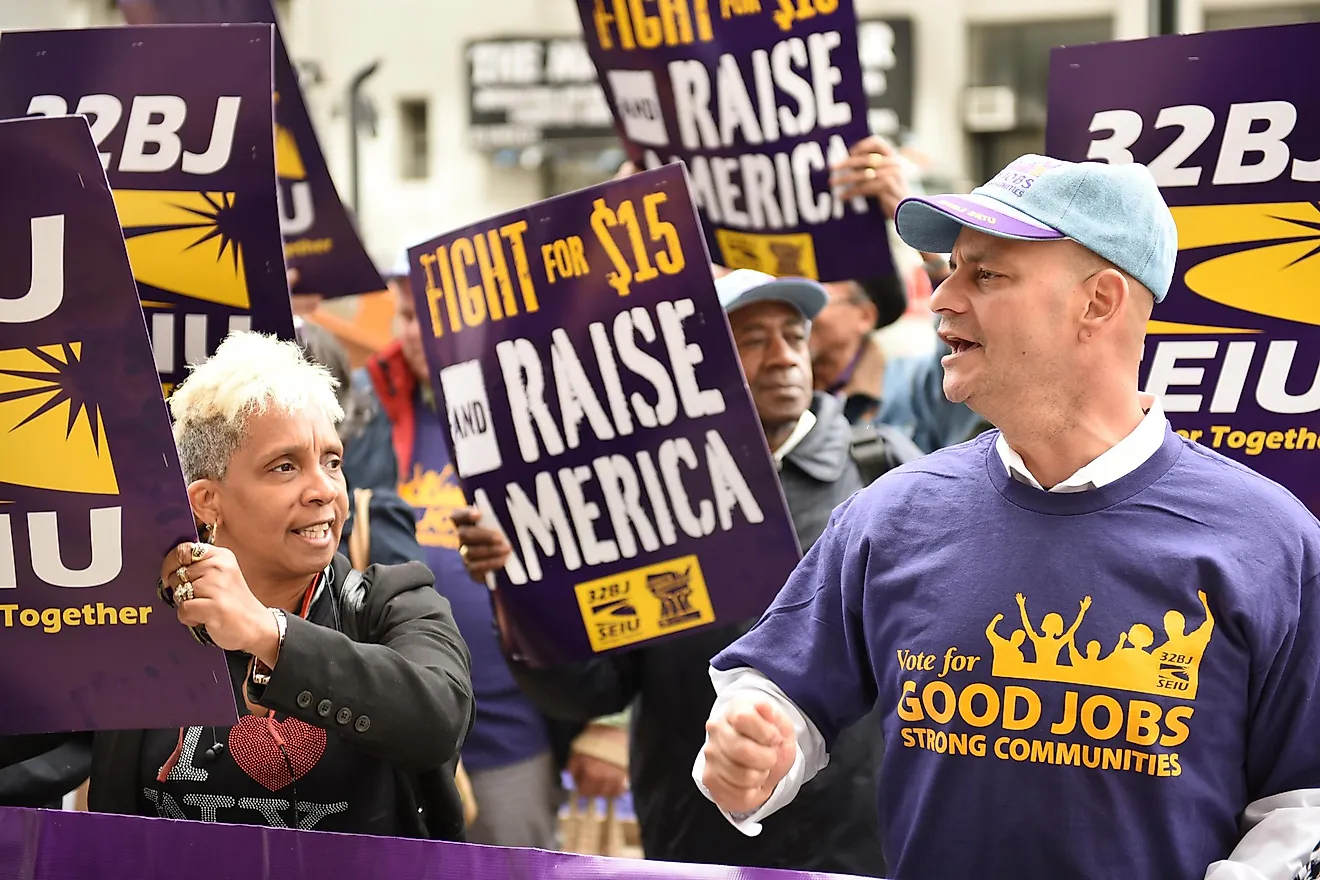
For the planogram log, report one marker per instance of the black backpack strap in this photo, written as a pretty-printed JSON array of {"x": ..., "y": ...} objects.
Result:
[
  {"x": 877, "y": 449},
  {"x": 349, "y": 598}
]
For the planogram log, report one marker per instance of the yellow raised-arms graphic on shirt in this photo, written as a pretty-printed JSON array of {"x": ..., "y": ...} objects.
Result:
[
  {"x": 439, "y": 495},
  {"x": 184, "y": 243},
  {"x": 1135, "y": 663},
  {"x": 51, "y": 436}
]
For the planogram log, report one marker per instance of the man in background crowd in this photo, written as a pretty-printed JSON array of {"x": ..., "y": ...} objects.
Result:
[{"x": 905, "y": 393}]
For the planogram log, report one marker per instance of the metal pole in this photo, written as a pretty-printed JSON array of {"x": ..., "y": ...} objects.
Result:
[
  {"x": 354, "y": 123},
  {"x": 1163, "y": 17}
]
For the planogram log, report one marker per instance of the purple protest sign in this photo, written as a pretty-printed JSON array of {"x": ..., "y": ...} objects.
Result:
[
  {"x": 91, "y": 493},
  {"x": 320, "y": 240},
  {"x": 55, "y": 845},
  {"x": 1229, "y": 124},
  {"x": 181, "y": 116},
  {"x": 758, "y": 100},
  {"x": 598, "y": 416}
]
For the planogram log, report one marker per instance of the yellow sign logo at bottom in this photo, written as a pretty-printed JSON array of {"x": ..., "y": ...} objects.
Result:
[
  {"x": 775, "y": 254},
  {"x": 644, "y": 603}
]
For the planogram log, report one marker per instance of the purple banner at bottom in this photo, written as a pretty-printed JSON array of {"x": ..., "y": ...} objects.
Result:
[{"x": 55, "y": 845}]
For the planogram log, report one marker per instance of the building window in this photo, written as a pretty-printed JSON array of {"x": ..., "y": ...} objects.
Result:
[
  {"x": 415, "y": 158},
  {"x": 1222, "y": 19},
  {"x": 1017, "y": 56}
]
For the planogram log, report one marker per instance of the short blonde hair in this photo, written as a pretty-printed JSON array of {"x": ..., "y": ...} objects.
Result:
[{"x": 249, "y": 374}]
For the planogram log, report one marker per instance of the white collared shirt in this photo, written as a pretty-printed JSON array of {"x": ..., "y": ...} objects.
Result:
[
  {"x": 1117, "y": 462},
  {"x": 805, "y": 423}
]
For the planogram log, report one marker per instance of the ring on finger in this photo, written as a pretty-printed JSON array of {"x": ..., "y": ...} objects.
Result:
[
  {"x": 199, "y": 551},
  {"x": 183, "y": 592},
  {"x": 871, "y": 174},
  {"x": 463, "y": 551}
]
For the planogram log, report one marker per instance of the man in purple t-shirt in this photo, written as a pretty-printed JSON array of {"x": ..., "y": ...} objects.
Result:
[{"x": 1095, "y": 645}]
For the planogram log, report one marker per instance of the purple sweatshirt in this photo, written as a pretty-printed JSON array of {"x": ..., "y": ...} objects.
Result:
[{"x": 1090, "y": 684}]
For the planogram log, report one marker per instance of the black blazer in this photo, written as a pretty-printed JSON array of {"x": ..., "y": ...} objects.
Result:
[{"x": 400, "y": 661}]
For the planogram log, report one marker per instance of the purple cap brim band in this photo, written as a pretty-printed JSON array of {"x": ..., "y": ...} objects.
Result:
[{"x": 932, "y": 223}]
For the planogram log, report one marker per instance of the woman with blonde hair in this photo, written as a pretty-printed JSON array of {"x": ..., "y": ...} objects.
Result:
[{"x": 354, "y": 688}]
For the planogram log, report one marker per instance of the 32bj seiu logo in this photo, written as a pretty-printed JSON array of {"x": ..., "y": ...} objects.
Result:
[
  {"x": 1253, "y": 147},
  {"x": 1260, "y": 258},
  {"x": 190, "y": 242},
  {"x": 152, "y": 143},
  {"x": 51, "y": 434}
]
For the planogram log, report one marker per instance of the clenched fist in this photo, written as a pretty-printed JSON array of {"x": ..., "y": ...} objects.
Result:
[{"x": 750, "y": 746}]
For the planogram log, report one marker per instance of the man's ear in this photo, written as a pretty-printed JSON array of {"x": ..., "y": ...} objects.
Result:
[
  {"x": 1108, "y": 295},
  {"x": 204, "y": 496}
]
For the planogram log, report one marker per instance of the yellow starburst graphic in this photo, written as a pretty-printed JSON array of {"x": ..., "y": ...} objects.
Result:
[
  {"x": 185, "y": 243},
  {"x": 51, "y": 434}
]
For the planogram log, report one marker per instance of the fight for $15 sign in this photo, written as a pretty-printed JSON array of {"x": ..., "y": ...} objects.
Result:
[
  {"x": 182, "y": 118},
  {"x": 91, "y": 494},
  {"x": 1229, "y": 125},
  {"x": 758, "y": 98},
  {"x": 598, "y": 417}
]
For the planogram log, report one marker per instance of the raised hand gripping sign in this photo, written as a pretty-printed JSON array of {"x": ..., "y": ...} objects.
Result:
[
  {"x": 181, "y": 117},
  {"x": 758, "y": 99},
  {"x": 1226, "y": 123},
  {"x": 91, "y": 493},
  {"x": 598, "y": 416}
]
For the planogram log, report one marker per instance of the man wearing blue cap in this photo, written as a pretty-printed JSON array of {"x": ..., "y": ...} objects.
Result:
[{"x": 1094, "y": 645}]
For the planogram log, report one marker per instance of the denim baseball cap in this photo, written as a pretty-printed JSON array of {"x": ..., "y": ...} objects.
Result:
[
  {"x": 1114, "y": 211},
  {"x": 742, "y": 287}
]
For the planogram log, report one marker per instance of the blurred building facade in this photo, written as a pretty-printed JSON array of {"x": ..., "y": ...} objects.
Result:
[{"x": 962, "y": 83}]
